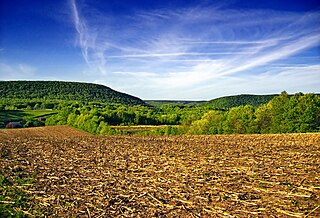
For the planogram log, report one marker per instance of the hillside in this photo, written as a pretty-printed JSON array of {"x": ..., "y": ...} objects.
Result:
[
  {"x": 159, "y": 103},
  {"x": 57, "y": 90},
  {"x": 238, "y": 100},
  {"x": 220, "y": 103}
]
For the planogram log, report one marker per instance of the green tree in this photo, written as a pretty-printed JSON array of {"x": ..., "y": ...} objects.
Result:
[
  {"x": 240, "y": 120},
  {"x": 279, "y": 108},
  {"x": 72, "y": 119},
  {"x": 210, "y": 123},
  {"x": 307, "y": 113},
  {"x": 263, "y": 118},
  {"x": 104, "y": 129},
  {"x": 37, "y": 107}
]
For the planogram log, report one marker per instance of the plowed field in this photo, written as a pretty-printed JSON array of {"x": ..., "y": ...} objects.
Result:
[
  {"x": 198, "y": 176},
  {"x": 53, "y": 131}
]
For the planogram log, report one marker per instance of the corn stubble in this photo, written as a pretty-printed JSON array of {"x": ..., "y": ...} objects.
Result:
[{"x": 186, "y": 176}]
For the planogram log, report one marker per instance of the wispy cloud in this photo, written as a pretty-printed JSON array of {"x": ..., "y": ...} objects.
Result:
[
  {"x": 18, "y": 71},
  {"x": 274, "y": 80},
  {"x": 173, "y": 50},
  {"x": 177, "y": 54},
  {"x": 93, "y": 52}
]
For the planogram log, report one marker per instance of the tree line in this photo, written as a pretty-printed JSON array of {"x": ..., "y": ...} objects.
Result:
[{"x": 283, "y": 114}]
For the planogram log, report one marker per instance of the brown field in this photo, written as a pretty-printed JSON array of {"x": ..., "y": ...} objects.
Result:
[
  {"x": 48, "y": 131},
  {"x": 183, "y": 176}
]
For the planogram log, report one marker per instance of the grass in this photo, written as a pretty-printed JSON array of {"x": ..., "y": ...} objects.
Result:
[
  {"x": 18, "y": 115},
  {"x": 12, "y": 115}
]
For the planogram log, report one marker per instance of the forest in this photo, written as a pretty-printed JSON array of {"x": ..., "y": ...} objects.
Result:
[
  {"x": 242, "y": 114},
  {"x": 58, "y": 90},
  {"x": 283, "y": 114}
]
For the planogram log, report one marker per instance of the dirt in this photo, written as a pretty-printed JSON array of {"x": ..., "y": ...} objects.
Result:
[
  {"x": 48, "y": 131},
  {"x": 181, "y": 176}
]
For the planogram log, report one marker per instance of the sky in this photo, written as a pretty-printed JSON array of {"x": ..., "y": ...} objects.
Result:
[{"x": 165, "y": 50}]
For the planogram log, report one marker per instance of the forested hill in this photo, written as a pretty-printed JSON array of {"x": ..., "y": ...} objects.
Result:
[
  {"x": 57, "y": 90},
  {"x": 159, "y": 103},
  {"x": 239, "y": 100}
]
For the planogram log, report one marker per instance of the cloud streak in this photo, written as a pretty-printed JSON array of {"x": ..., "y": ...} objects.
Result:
[
  {"x": 17, "y": 71},
  {"x": 185, "y": 48},
  {"x": 93, "y": 52}
]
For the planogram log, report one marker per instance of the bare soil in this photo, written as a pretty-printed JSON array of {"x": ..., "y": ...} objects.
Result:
[
  {"x": 47, "y": 131},
  {"x": 181, "y": 176}
]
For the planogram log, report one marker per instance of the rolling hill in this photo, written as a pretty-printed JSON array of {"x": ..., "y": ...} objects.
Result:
[
  {"x": 220, "y": 103},
  {"x": 159, "y": 103},
  {"x": 239, "y": 100},
  {"x": 58, "y": 90}
]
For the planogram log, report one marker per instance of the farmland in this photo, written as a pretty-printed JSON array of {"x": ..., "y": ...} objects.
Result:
[
  {"x": 74, "y": 174},
  {"x": 49, "y": 131},
  {"x": 7, "y": 116}
]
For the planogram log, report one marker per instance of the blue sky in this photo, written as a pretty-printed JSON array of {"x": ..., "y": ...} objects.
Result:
[{"x": 192, "y": 50}]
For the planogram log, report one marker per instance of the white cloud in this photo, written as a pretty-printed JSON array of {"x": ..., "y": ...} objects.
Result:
[
  {"x": 161, "y": 52},
  {"x": 92, "y": 52},
  {"x": 135, "y": 74},
  {"x": 19, "y": 71}
]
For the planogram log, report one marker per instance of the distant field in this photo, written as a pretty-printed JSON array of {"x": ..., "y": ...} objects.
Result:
[
  {"x": 184, "y": 176},
  {"x": 18, "y": 115}
]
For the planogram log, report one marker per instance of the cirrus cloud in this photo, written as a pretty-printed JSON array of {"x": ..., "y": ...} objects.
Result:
[{"x": 172, "y": 50}]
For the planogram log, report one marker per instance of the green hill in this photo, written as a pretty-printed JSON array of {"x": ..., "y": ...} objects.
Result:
[
  {"x": 220, "y": 103},
  {"x": 57, "y": 90},
  {"x": 238, "y": 100},
  {"x": 159, "y": 103}
]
